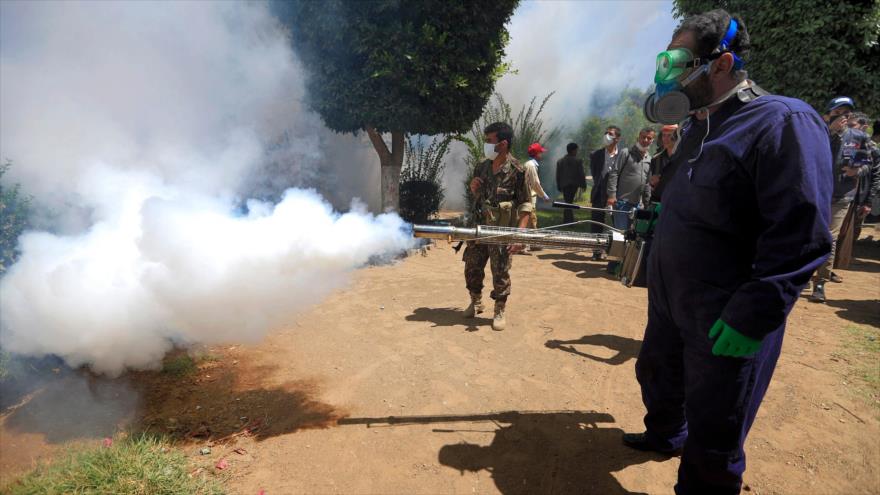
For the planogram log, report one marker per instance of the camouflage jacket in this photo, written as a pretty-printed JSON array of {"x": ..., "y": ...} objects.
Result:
[{"x": 504, "y": 195}]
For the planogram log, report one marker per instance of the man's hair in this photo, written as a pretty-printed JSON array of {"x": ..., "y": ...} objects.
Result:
[
  {"x": 709, "y": 29},
  {"x": 861, "y": 118},
  {"x": 572, "y": 147},
  {"x": 648, "y": 129},
  {"x": 617, "y": 129},
  {"x": 502, "y": 130}
]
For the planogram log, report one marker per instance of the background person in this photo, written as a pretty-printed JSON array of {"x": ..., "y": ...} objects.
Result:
[
  {"x": 601, "y": 162},
  {"x": 570, "y": 176},
  {"x": 662, "y": 166}
]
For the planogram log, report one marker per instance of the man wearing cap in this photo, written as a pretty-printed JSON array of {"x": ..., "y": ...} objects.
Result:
[
  {"x": 746, "y": 226},
  {"x": 536, "y": 153},
  {"x": 845, "y": 143}
]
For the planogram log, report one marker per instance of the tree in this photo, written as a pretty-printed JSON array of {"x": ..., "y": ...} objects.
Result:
[
  {"x": 809, "y": 49},
  {"x": 398, "y": 67},
  {"x": 14, "y": 212},
  {"x": 627, "y": 114}
]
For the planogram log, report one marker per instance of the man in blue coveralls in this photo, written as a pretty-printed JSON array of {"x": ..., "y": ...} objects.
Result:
[{"x": 744, "y": 229}]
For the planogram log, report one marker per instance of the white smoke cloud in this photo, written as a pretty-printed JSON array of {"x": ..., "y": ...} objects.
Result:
[
  {"x": 140, "y": 125},
  {"x": 576, "y": 48},
  {"x": 167, "y": 266},
  {"x": 580, "y": 50}
]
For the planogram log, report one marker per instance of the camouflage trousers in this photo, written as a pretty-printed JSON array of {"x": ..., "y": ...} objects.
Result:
[{"x": 475, "y": 258}]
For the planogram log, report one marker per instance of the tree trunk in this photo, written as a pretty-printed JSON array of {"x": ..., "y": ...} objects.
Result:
[{"x": 391, "y": 162}]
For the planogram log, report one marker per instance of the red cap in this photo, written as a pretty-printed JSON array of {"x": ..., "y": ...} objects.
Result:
[{"x": 536, "y": 148}]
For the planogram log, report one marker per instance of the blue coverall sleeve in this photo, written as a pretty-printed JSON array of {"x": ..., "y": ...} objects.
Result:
[{"x": 792, "y": 180}]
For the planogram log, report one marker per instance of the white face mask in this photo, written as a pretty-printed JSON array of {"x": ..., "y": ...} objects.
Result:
[
  {"x": 608, "y": 139},
  {"x": 489, "y": 151}
]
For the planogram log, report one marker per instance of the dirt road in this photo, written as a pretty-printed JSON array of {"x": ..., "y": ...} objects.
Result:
[{"x": 385, "y": 388}]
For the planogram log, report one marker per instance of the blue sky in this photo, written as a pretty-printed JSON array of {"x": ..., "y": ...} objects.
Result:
[{"x": 575, "y": 47}]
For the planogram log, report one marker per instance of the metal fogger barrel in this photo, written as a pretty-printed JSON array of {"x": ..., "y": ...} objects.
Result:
[{"x": 612, "y": 243}]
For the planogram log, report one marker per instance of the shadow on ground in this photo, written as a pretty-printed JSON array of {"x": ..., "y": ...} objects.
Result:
[
  {"x": 862, "y": 311},
  {"x": 568, "y": 452},
  {"x": 626, "y": 348},
  {"x": 222, "y": 401},
  {"x": 215, "y": 401},
  {"x": 74, "y": 406},
  {"x": 581, "y": 264},
  {"x": 451, "y": 317}
]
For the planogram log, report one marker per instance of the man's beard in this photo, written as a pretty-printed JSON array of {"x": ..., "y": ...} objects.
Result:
[{"x": 699, "y": 92}]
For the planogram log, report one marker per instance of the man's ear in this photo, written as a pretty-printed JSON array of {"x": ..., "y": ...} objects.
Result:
[{"x": 723, "y": 64}]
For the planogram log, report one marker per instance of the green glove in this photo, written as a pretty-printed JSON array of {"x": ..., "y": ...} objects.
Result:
[{"x": 730, "y": 342}]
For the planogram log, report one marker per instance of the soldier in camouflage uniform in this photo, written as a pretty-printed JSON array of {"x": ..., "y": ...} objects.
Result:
[{"x": 504, "y": 199}]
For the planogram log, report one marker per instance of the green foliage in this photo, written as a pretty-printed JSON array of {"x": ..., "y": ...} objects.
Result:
[
  {"x": 14, "y": 211},
  {"x": 131, "y": 466},
  {"x": 421, "y": 192},
  {"x": 553, "y": 216},
  {"x": 809, "y": 49},
  {"x": 627, "y": 114},
  {"x": 528, "y": 127},
  {"x": 425, "y": 67},
  {"x": 5, "y": 360}
]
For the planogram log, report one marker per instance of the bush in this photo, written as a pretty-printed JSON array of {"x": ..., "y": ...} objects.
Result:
[
  {"x": 421, "y": 194},
  {"x": 419, "y": 199}
]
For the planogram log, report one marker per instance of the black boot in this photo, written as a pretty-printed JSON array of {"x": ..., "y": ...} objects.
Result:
[
  {"x": 639, "y": 441},
  {"x": 818, "y": 295}
]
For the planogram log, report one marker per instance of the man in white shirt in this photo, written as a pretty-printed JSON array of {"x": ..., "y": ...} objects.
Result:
[{"x": 536, "y": 153}]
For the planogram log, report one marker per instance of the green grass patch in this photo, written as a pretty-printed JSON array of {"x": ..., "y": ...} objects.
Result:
[
  {"x": 551, "y": 217},
  {"x": 179, "y": 364},
  {"x": 131, "y": 466},
  {"x": 862, "y": 347}
]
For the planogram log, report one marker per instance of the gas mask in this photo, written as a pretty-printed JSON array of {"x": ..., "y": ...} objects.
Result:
[
  {"x": 489, "y": 151},
  {"x": 669, "y": 104}
]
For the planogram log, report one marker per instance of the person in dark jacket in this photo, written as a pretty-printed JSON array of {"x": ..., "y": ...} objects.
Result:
[
  {"x": 662, "y": 166},
  {"x": 846, "y": 174},
  {"x": 570, "y": 177},
  {"x": 601, "y": 162},
  {"x": 746, "y": 226}
]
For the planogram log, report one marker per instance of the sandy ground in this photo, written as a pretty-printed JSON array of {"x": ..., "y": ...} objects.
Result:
[{"x": 385, "y": 388}]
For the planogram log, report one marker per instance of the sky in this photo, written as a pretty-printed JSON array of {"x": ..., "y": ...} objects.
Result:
[{"x": 575, "y": 47}]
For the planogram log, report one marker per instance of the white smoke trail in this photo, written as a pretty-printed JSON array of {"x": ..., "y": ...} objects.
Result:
[
  {"x": 167, "y": 266},
  {"x": 139, "y": 124}
]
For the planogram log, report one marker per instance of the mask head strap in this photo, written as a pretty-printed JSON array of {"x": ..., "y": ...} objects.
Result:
[{"x": 724, "y": 46}]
